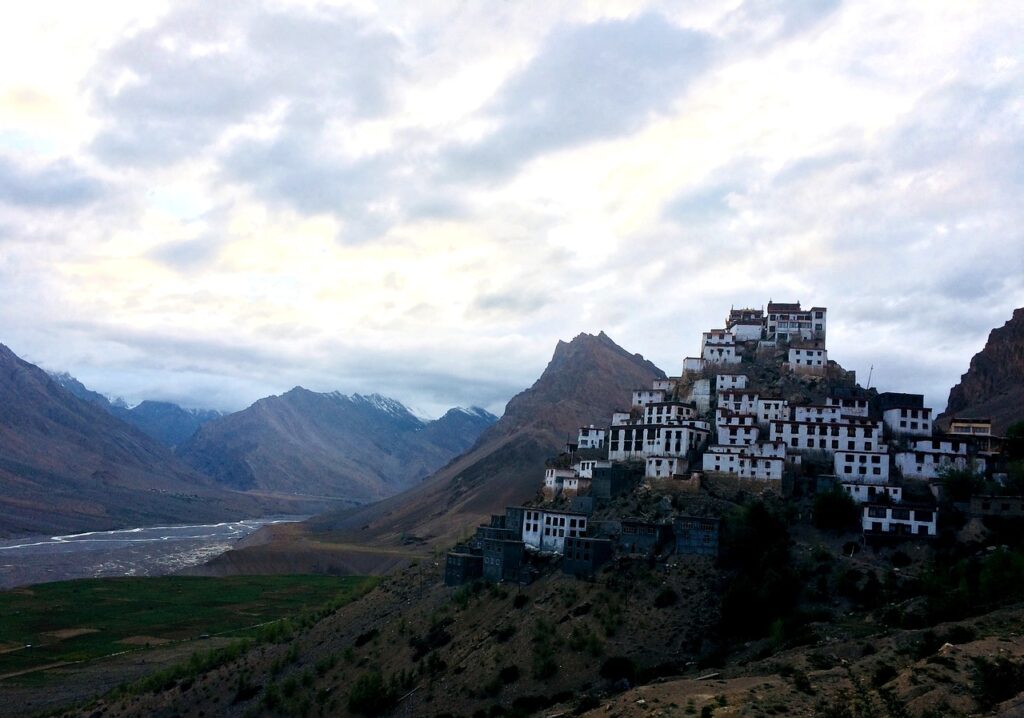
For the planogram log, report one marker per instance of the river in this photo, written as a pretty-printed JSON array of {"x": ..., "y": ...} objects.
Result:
[{"x": 144, "y": 551}]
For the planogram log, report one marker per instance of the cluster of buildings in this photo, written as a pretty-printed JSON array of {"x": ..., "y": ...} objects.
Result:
[
  {"x": 510, "y": 547},
  {"x": 714, "y": 423}
]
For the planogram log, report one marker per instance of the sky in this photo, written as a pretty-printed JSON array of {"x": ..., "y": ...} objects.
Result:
[{"x": 209, "y": 203}]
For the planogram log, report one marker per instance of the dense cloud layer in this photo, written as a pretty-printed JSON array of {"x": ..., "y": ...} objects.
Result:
[{"x": 215, "y": 202}]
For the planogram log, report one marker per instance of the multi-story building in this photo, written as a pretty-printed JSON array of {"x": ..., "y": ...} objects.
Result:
[
  {"x": 899, "y": 520},
  {"x": 772, "y": 409},
  {"x": 908, "y": 421},
  {"x": 788, "y": 322},
  {"x": 547, "y": 530},
  {"x": 817, "y": 413},
  {"x": 643, "y": 397},
  {"x": 669, "y": 412},
  {"x": 591, "y": 438},
  {"x": 868, "y": 467},
  {"x": 848, "y": 435},
  {"x": 928, "y": 457},
  {"x": 745, "y": 324},
  {"x": 864, "y": 493},
  {"x": 725, "y": 382},
  {"x": 741, "y": 401},
  {"x": 812, "y": 360}
]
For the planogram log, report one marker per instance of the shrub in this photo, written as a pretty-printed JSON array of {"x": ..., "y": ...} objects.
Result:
[
  {"x": 835, "y": 511},
  {"x": 996, "y": 680},
  {"x": 370, "y": 695},
  {"x": 666, "y": 597},
  {"x": 509, "y": 674},
  {"x": 882, "y": 675},
  {"x": 618, "y": 667}
]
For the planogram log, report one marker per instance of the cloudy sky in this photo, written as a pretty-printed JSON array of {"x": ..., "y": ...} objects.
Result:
[{"x": 211, "y": 202}]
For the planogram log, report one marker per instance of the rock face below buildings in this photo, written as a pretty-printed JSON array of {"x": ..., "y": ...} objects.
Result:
[{"x": 994, "y": 384}]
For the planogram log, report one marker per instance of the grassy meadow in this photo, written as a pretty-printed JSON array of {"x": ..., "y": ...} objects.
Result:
[{"x": 71, "y": 621}]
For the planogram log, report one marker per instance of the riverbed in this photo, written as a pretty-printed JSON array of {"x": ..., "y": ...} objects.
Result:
[{"x": 143, "y": 551}]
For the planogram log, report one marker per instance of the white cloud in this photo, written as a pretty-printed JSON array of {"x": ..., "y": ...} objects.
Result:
[{"x": 209, "y": 203}]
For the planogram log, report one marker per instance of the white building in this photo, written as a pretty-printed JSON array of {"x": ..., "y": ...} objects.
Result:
[
  {"x": 720, "y": 354},
  {"x": 665, "y": 385},
  {"x": 870, "y": 493},
  {"x": 849, "y": 406},
  {"x": 585, "y": 469},
  {"x": 741, "y": 402},
  {"x": 808, "y": 360},
  {"x": 772, "y": 410},
  {"x": 669, "y": 412},
  {"x": 554, "y": 480},
  {"x": 745, "y": 324},
  {"x": 638, "y": 441},
  {"x": 818, "y": 414},
  {"x": 866, "y": 467},
  {"x": 733, "y": 435},
  {"x": 677, "y": 441},
  {"x": 576, "y": 485},
  {"x": 743, "y": 463},
  {"x": 643, "y": 397},
  {"x": 700, "y": 395},
  {"x": 788, "y": 322},
  {"x": 620, "y": 418},
  {"x": 590, "y": 438},
  {"x": 547, "y": 530},
  {"x": 907, "y": 421},
  {"x": 929, "y": 457},
  {"x": 725, "y": 382},
  {"x": 664, "y": 467},
  {"x": 848, "y": 435},
  {"x": 899, "y": 520},
  {"x": 693, "y": 365}
]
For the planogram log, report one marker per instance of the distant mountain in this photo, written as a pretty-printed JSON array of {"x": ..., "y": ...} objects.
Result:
[
  {"x": 66, "y": 464},
  {"x": 994, "y": 383},
  {"x": 329, "y": 445},
  {"x": 586, "y": 380},
  {"x": 168, "y": 423}
]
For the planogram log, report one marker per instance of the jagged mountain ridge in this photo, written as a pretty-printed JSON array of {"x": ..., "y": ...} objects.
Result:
[
  {"x": 586, "y": 380},
  {"x": 168, "y": 423},
  {"x": 993, "y": 385},
  {"x": 68, "y": 465},
  {"x": 358, "y": 447}
]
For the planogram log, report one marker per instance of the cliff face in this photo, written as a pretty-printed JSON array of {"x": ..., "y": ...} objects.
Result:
[{"x": 994, "y": 384}]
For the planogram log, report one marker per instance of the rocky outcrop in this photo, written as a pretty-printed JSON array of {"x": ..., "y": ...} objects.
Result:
[{"x": 994, "y": 384}]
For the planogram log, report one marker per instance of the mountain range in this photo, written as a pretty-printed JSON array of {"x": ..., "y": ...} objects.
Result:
[
  {"x": 164, "y": 421},
  {"x": 68, "y": 465},
  {"x": 330, "y": 445},
  {"x": 72, "y": 460}
]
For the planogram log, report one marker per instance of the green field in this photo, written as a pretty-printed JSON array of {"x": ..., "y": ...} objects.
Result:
[{"x": 81, "y": 620}]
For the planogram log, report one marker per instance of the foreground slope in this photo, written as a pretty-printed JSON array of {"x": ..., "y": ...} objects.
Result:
[
  {"x": 67, "y": 465},
  {"x": 994, "y": 384},
  {"x": 586, "y": 380},
  {"x": 329, "y": 445}
]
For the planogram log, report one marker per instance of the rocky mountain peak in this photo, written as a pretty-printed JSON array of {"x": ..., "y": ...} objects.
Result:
[{"x": 994, "y": 383}]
